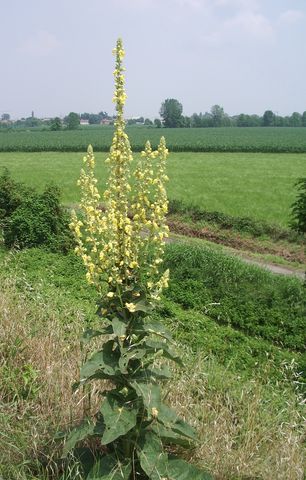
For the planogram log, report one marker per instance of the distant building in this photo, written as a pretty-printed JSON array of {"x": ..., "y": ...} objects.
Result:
[
  {"x": 105, "y": 121},
  {"x": 84, "y": 122}
]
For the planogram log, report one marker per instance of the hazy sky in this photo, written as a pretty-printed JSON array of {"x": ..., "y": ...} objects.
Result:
[{"x": 245, "y": 55}]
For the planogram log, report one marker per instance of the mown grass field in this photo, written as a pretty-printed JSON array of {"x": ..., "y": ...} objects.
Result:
[
  {"x": 240, "y": 373},
  {"x": 179, "y": 139},
  {"x": 241, "y": 184}
]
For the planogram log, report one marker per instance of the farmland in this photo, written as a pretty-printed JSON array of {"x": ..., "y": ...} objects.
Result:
[
  {"x": 240, "y": 330},
  {"x": 256, "y": 185},
  {"x": 246, "y": 139}
]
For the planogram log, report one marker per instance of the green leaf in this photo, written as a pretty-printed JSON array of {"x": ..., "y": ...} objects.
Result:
[
  {"x": 78, "y": 433},
  {"x": 170, "y": 420},
  {"x": 169, "y": 436},
  {"x": 89, "y": 333},
  {"x": 154, "y": 346},
  {"x": 118, "y": 418},
  {"x": 119, "y": 327},
  {"x": 105, "y": 362},
  {"x": 157, "y": 328},
  {"x": 143, "y": 306},
  {"x": 151, "y": 374},
  {"x": 180, "y": 470},
  {"x": 149, "y": 393},
  {"x": 129, "y": 355},
  {"x": 153, "y": 459},
  {"x": 109, "y": 468}
]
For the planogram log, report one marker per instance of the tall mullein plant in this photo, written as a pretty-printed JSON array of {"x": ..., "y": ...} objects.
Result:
[{"x": 122, "y": 247}]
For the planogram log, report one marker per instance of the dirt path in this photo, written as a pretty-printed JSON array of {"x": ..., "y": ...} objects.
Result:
[
  {"x": 243, "y": 255},
  {"x": 278, "y": 269}
]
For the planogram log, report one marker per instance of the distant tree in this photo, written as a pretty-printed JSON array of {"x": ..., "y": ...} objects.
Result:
[
  {"x": 304, "y": 119},
  {"x": 217, "y": 116},
  {"x": 5, "y": 117},
  {"x": 278, "y": 121},
  {"x": 56, "y": 124},
  {"x": 72, "y": 121},
  {"x": 242, "y": 120},
  {"x": 268, "y": 118},
  {"x": 196, "y": 120},
  {"x": 296, "y": 120},
  {"x": 94, "y": 119},
  {"x": 157, "y": 123},
  {"x": 171, "y": 112},
  {"x": 32, "y": 122},
  {"x": 148, "y": 122},
  {"x": 103, "y": 115},
  {"x": 186, "y": 122}
]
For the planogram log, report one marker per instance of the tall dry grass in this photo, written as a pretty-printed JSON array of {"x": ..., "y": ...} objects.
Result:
[{"x": 247, "y": 430}]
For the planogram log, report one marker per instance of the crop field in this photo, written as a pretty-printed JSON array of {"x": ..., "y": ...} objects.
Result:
[
  {"x": 179, "y": 139},
  {"x": 241, "y": 184}
]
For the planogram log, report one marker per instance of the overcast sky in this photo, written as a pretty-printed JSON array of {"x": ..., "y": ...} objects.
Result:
[{"x": 245, "y": 55}]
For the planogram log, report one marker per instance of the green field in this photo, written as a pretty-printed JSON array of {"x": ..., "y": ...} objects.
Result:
[
  {"x": 178, "y": 139},
  {"x": 239, "y": 374},
  {"x": 241, "y": 184}
]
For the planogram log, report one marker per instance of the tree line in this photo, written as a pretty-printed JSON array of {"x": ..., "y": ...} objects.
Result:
[
  {"x": 171, "y": 116},
  {"x": 171, "y": 112}
]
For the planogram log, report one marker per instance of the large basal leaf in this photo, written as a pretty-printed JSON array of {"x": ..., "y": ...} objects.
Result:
[
  {"x": 170, "y": 420},
  {"x": 109, "y": 468},
  {"x": 128, "y": 355},
  {"x": 180, "y": 470},
  {"x": 157, "y": 328},
  {"x": 152, "y": 374},
  {"x": 168, "y": 436},
  {"x": 119, "y": 327},
  {"x": 154, "y": 346},
  {"x": 143, "y": 306},
  {"x": 77, "y": 434},
  {"x": 105, "y": 362},
  {"x": 118, "y": 418},
  {"x": 149, "y": 393},
  {"x": 153, "y": 459},
  {"x": 89, "y": 333}
]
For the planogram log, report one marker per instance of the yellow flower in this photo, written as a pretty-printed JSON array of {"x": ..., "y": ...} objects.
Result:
[
  {"x": 131, "y": 307},
  {"x": 133, "y": 264},
  {"x": 154, "y": 412},
  {"x": 110, "y": 294}
]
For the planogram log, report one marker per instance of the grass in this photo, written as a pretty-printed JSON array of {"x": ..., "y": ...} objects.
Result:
[
  {"x": 242, "y": 184},
  {"x": 178, "y": 139},
  {"x": 249, "y": 421}
]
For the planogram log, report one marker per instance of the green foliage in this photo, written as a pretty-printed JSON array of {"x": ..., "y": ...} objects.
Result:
[
  {"x": 232, "y": 293},
  {"x": 248, "y": 225},
  {"x": 11, "y": 195},
  {"x": 133, "y": 417},
  {"x": 56, "y": 124},
  {"x": 268, "y": 118},
  {"x": 298, "y": 209},
  {"x": 72, "y": 121},
  {"x": 171, "y": 112},
  {"x": 30, "y": 219}
]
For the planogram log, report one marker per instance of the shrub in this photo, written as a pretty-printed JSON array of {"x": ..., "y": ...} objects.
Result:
[
  {"x": 30, "y": 219},
  {"x": 11, "y": 195},
  {"x": 298, "y": 209}
]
